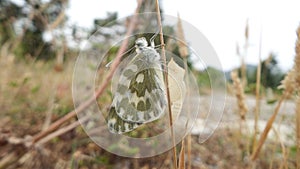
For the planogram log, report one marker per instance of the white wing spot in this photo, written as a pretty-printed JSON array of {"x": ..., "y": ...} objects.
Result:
[
  {"x": 122, "y": 111},
  {"x": 126, "y": 125},
  {"x": 140, "y": 78},
  {"x": 152, "y": 115},
  {"x": 140, "y": 116},
  {"x": 129, "y": 117},
  {"x": 113, "y": 121}
]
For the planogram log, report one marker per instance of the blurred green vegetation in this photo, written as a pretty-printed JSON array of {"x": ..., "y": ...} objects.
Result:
[{"x": 271, "y": 76}]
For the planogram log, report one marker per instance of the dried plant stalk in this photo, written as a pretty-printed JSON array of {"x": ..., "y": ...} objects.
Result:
[
  {"x": 239, "y": 93},
  {"x": 298, "y": 131},
  {"x": 265, "y": 133},
  {"x": 257, "y": 95},
  {"x": 289, "y": 84},
  {"x": 163, "y": 55},
  {"x": 181, "y": 162},
  {"x": 297, "y": 80},
  {"x": 184, "y": 52},
  {"x": 59, "y": 132},
  {"x": 243, "y": 64},
  {"x": 8, "y": 159}
]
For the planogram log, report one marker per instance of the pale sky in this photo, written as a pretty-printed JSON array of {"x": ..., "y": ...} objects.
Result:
[{"x": 222, "y": 22}]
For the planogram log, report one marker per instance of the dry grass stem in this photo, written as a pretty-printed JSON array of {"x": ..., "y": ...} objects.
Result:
[
  {"x": 189, "y": 151},
  {"x": 181, "y": 162},
  {"x": 289, "y": 84},
  {"x": 184, "y": 52},
  {"x": 242, "y": 107},
  {"x": 8, "y": 159},
  {"x": 297, "y": 80},
  {"x": 243, "y": 58},
  {"x": 61, "y": 131},
  {"x": 269, "y": 124},
  {"x": 163, "y": 55},
  {"x": 257, "y": 95},
  {"x": 298, "y": 131}
]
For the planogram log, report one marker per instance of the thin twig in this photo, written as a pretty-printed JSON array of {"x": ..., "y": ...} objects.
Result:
[
  {"x": 50, "y": 110},
  {"x": 257, "y": 94},
  {"x": 101, "y": 89},
  {"x": 181, "y": 162},
  {"x": 163, "y": 54},
  {"x": 8, "y": 159},
  {"x": 184, "y": 52},
  {"x": 61, "y": 131}
]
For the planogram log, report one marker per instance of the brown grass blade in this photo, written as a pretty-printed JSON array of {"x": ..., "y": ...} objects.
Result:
[
  {"x": 163, "y": 55},
  {"x": 267, "y": 128},
  {"x": 184, "y": 52},
  {"x": 298, "y": 131},
  {"x": 257, "y": 95},
  {"x": 181, "y": 162},
  {"x": 243, "y": 58},
  {"x": 297, "y": 79}
]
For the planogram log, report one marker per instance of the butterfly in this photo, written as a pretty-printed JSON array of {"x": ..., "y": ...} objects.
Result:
[{"x": 140, "y": 95}]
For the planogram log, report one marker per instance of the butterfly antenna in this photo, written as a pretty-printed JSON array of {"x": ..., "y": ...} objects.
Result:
[
  {"x": 153, "y": 37},
  {"x": 109, "y": 63},
  {"x": 158, "y": 46}
]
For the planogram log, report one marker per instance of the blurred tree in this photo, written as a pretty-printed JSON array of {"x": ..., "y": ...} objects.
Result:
[
  {"x": 22, "y": 28},
  {"x": 108, "y": 29},
  {"x": 111, "y": 16},
  {"x": 8, "y": 14},
  {"x": 271, "y": 74}
]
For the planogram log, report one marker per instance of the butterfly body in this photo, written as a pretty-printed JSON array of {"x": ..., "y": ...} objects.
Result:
[{"x": 140, "y": 95}]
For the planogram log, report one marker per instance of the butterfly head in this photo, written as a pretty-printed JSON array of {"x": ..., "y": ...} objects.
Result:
[{"x": 140, "y": 44}]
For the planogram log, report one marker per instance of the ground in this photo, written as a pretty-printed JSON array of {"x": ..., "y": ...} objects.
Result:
[{"x": 32, "y": 97}]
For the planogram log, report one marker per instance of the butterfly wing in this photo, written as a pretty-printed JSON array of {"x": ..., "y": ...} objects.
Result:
[
  {"x": 144, "y": 100},
  {"x": 139, "y": 97},
  {"x": 117, "y": 125}
]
